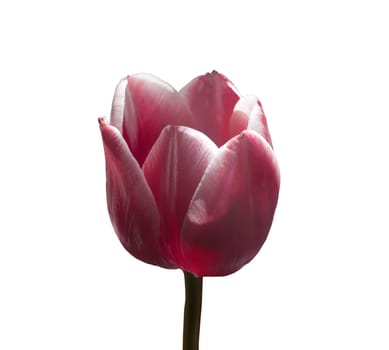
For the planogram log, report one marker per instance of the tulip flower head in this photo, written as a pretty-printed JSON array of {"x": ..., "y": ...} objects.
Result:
[{"x": 192, "y": 179}]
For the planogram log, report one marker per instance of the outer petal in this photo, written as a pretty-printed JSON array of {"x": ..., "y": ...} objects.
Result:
[
  {"x": 150, "y": 105},
  {"x": 211, "y": 98},
  {"x": 131, "y": 205},
  {"x": 232, "y": 210},
  {"x": 248, "y": 115},
  {"x": 173, "y": 170}
]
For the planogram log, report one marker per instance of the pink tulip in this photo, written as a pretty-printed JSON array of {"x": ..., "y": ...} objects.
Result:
[{"x": 192, "y": 179}]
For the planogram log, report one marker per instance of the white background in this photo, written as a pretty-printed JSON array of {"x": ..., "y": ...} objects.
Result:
[{"x": 321, "y": 72}]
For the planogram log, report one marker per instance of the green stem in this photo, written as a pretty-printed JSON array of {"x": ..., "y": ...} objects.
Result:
[{"x": 192, "y": 313}]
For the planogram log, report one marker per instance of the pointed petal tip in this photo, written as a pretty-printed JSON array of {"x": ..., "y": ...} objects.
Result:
[
  {"x": 102, "y": 121},
  {"x": 214, "y": 74},
  {"x": 105, "y": 125}
]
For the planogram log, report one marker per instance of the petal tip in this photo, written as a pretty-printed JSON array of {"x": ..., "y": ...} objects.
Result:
[{"x": 102, "y": 121}]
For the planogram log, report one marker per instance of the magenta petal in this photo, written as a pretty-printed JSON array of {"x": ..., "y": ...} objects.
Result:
[
  {"x": 211, "y": 98},
  {"x": 173, "y": 170},
  {"x": 150, "y": 105},
  {"x": 232, "y": 210},
  {"x": 248, "y": 115},
  {"x": 131, "y": 205}
]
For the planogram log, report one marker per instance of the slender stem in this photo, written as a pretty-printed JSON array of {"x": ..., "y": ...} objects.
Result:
[{"x": 192, "y": 313}]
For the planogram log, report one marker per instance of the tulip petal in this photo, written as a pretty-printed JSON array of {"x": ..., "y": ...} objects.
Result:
[
  {"x": 150, "y": 105},
  {"x": 211, "y": 98},
  {"x": 117, "y": 109},
  {"x": 248, "y": 115},
  {"x": 173, "y": 170},
  {"x": 131, "y": 205},
  {"x": 232, "y": 210}
]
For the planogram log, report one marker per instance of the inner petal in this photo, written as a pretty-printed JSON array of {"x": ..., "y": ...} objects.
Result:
[
  {"x": 150, "y": 105},
  {"x": 211, "y": 98}
]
